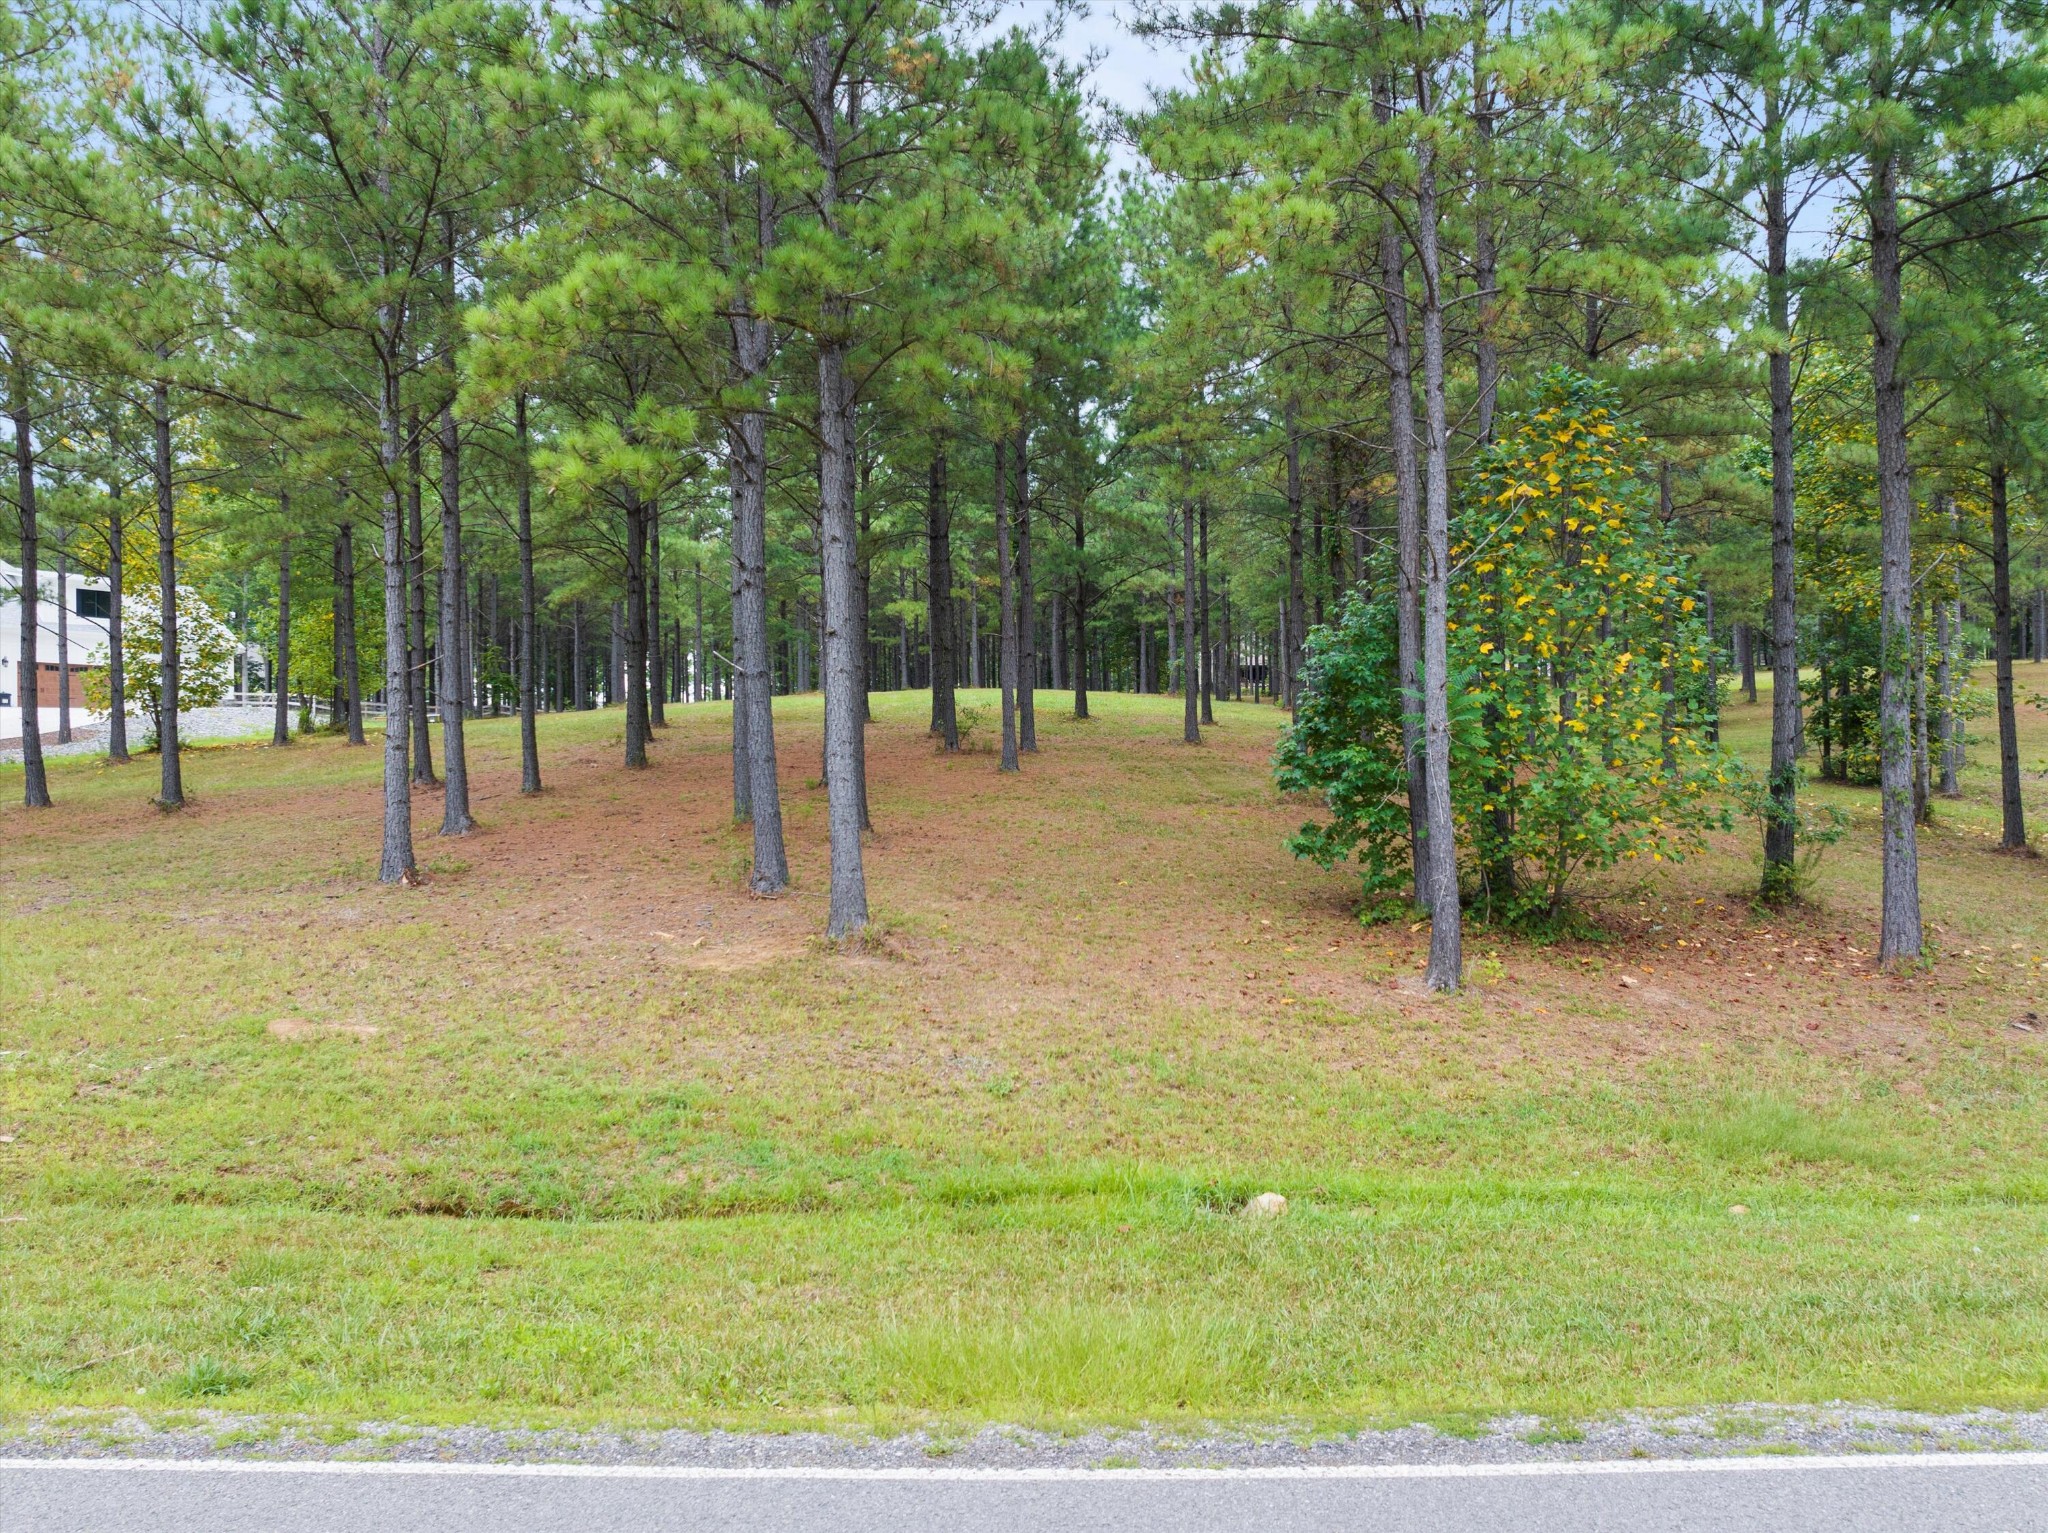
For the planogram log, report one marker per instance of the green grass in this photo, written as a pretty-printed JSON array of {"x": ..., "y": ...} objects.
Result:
[
  {"x": 626, "y": 1146},
  {"x": 1768, "y": 1130},
  {"x": 1048, "y": 1310}
]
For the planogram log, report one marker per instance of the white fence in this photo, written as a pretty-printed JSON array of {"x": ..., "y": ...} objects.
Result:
[{"x": 322, "y": 707}]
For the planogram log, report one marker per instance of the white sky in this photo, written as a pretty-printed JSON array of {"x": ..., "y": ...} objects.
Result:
[{"x": 1128, "y": 67}]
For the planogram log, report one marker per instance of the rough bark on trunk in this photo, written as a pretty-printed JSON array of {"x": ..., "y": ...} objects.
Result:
[
  {"x": 1080, "y": 656},
  {"x": 348, "y": 685},
  {"x": 1485, "y": 258},
  {"x": 971, "y": 607},
  {"x": 1027, "y": 613},
  {"x": 117, "y": 651},
  {"x": 416, "y": 610},
  {"x": 1191, "y": 706},
  {"x": 2012, "y": 809},
  {"x": 1923, "y": 773},
  {"x": 35, "y": 778},
  {"x": 657, "y": 663},
  {"x": 1407, "y": 521},
  {"x": 529, "y": 607},
  {"x": 1899, "y": 932},
  {"x": 571, "y": 658},
  {"x": 842, "y": 641},
  {"x": 1945, "y": 700},
  {"x": 939, "y": 610},
  {"x": 63, "y": 645},
  {"x": 757, "y": 794},
  {"x": 1781, "y": 824},
  {"x": 844, "y": 744},
  {"x": 1283, "y": 683},
  {"x": 280, "y": 681},
  {"x": 1056, "y": 641},
  {"x": 903, "y": 640},
  {"x": 1297, "y": 606},
  {"x": 636, "y": 630},
  {"x": 578, "y": 665},
  {"x": 395, "y": 864},
  {"x": 1446, "y": 935},
  {"x": 1006, "y": 601},
  {"x": 697, "y": 689},
  {"x": 1233, "y": 679},
  {"x": 171, "y": 784},
  {"x": 455, "y": 815},
  {"x": 1208, "y": 652},
  {"x": 742, "y": 754}
]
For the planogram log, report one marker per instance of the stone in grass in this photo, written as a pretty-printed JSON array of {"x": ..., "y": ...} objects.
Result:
[{"x": 1267, "y": 1205}]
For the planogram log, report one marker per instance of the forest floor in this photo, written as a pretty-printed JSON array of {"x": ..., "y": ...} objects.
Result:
[{"x": 579, "y": 1133}]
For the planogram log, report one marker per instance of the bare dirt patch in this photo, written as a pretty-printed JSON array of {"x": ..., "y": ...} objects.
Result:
[{"x": 298, "y": 1030}]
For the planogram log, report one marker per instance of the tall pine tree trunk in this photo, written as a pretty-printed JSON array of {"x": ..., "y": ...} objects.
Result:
[
  {"x": 636, "y": 629},
  {"x": 753, "y": 684},
  {"x": 1079, "y": 662},
  {"x": 615, "y": 658},
  {"x": 281, "y": 678},
  {"x": 2013, "y": 815},
  {"x": 1191, "y": 706},
  {"x": 395, "y": 864},
  {"x": 529, "y": 607},
  {"x": 416, "y": 609},
  {"x": 455, "y": 815},
  {"x": 1027, "y": 610},
  {"x": 1899, "y": 932},
  {"x": 1446, "y": 935},
  {"x": 348, "y": 682},
  {"x": 35, "y": 779},
  {"x": 1498, "y": 869},
  {"x": 1208, "y": 641},
  {"x": 657, "y": 659},
  {"x": 742, "y": 750},
  {"x": 1945, "y": 699},
  {"x": 171, "y": 786},
  {"x": 698, "y": 692},
  {"x": 1485, "y": 255},
  {"x": 939, "y": 608},
  {"x": 1781, "y": 824},
  {"x": 63, "y": 640},
  {"x": 844, "y": 744},
  {"x": 578, "y": 664},
  {"x": 1006, "y": 601},
  {"x": 1408, "y": 521},
  {"x": 1297, "y": 605},
  {"x": 1923, "y": 758},
  {"x": 117, "y": 649}
]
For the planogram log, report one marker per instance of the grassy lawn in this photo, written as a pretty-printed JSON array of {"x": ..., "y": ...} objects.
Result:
[{"x": 581, "y": 1133}]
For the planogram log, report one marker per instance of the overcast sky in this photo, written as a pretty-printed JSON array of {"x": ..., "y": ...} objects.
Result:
[{"x": 1128, "y": 67}]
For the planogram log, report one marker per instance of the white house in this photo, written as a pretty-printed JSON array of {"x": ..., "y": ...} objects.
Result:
[{"x": 82, "y": 608}]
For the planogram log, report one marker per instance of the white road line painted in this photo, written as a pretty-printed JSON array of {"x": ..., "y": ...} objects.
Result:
[{"x": 1564, "y": 1468}]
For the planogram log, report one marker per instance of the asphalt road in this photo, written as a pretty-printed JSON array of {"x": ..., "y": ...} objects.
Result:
[{"x": 1987, "y": 1493}]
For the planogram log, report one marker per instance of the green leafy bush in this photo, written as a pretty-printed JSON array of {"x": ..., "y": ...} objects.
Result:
[{"x": 1580, "y": 700}]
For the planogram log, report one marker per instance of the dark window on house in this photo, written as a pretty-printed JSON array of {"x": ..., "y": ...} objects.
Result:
[{"x": 89, "y": 603}]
